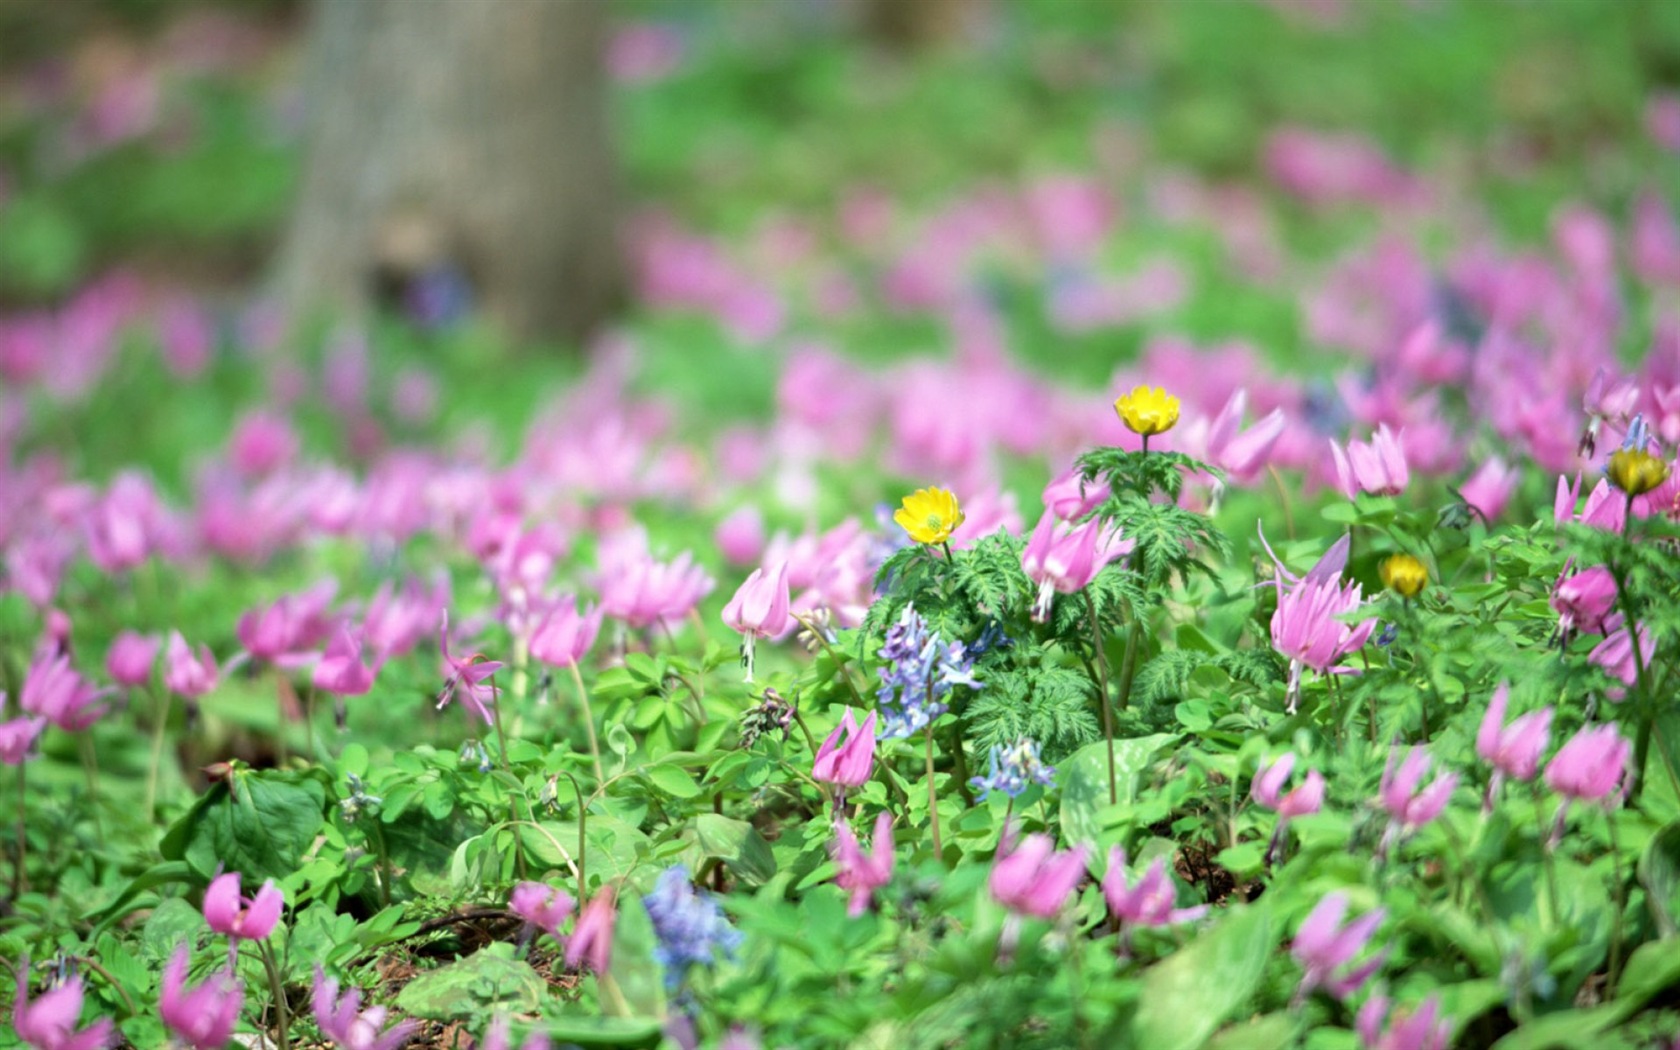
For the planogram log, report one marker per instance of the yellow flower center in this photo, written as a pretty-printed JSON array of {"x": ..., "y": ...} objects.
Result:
[{"x": 929, "y": 515}]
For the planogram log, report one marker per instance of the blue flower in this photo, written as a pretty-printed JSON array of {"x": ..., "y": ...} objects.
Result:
[
  {"x": 921, "y": 670},
  {"x": 1010, "y": 771},
  {"x": 689, "y": 924}
]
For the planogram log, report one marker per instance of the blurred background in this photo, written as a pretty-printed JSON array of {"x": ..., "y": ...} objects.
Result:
[{"x": 248, "y": 195}]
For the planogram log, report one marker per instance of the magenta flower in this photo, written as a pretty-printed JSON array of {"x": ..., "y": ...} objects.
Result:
[
  {"x": 564, "y": 635},
  {"x": 53, "y": 690},
  {"x": 1064, "y": 559},
  {"x": 860, "y": 873},
  {"x": 497, "y": 1037},
  {"x": 1377, "y": 467},
  {"x": 1489, "y": 489},
  {"x": 1583, "y": 601},
  {"x": 591, "y": 941},
  {"x": 344, "y": 1022},
  {"x": 1305, "y": 799},
  {"x": 283, "y": 633},
  {"x": 242, "y": 918},
  {"x": 541, "y": 905},
  {"x": 340, "y": 670},
  {"x": 643, "y": 592},
  {"x": 1615, "y": 655},
  {"x": 185, "y": 672},
  {"x": 1408, "y": 807},
  {"x": 1324, "y": 946},
  {"x": 740, "y": 536},
  {"x": 1069, "y": 497},
  {"x": 131, "y": 656},
  {"x": 120, "y": 528},
  {"x": 847, "y": 762},
  {"x": 1590, "y": 764},
  {"x": 1307, "y": 626},
  {"x": 1033, "y": 878},
  {"x": 1605, "y": 508},
  {"x": 1418, "y": 1029},
  {"x": 18, "y": 736},
  {"x": 759, "y": 610},
  {"x": 1514, "y": 750},
  {"x": 467, "y": 677},
  {"x": 202, "y": 1017},
  {"x": 1150, "y": 902},
  {"x": 49, "y": 1023},
  {"x": 1240, "y": 456},
  {"x": 397, "y": 621}
]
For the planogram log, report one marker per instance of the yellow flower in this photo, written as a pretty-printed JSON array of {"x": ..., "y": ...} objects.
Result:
[
  {"x": 929, "y": 515},
  {"x": 1636, "y": 471},
  {"x": 1404, "y": 575},
  {"x": 1147, "y": 410}
]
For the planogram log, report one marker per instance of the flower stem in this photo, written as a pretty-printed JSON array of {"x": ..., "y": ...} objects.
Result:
[
  {"x": 583, "y": 817},
  {"x": 1101, "y": 683},
  {"x": 1615, "y": 968},
  {"x": 90, "y": 766},
  {"x": 384, "y": 862},
  {"x": 1548, "y": 911},
  {"x": 933, "y": 796},
  {"x": 157, "y": 753},
  {"x": 588, "y": 721},
  {"x": 20, "y": 880},
  {"x": 277, "y": 992}
]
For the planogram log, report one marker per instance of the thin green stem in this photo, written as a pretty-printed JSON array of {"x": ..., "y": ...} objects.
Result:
[
  {"x": 1101, "y": 682},
  {"x": 588, "y": 721},
  {"x": 933, "y": 796},
  {"x": 583, "y": 825},
  {"x": 90, "y": 767},
  {"x": 162, "y": 717},
  {"x": 378, "y": 837},
  {"x": 277, "y": 992},
  {"x": 20, "y": 878},
  {"x": 842, "y": 664},
  {"x": 1615, "y": 968},
  {"x": 1549, "y": 903}
]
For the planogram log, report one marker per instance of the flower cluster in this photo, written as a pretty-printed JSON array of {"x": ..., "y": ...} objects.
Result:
[
  {"x": 1010, "y": 771},
  {"x": 921, "y": 670},
  {"x": 690, "y": 926}
]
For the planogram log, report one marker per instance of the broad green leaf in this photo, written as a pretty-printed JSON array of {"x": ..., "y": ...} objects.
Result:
[
  {"x": 628, "y": 1032},
  {"x": 1659, "y": 873},
  {"x": 1189, "y": 995},
  {"x": 1270, "y": 1032},
  {"x": 261, "y": 832},
  {"x": 634, "y": 984},
  {"x": 737, "y": 844},
  {"x": 1084, "y": 782},
  {"x": 487, "y": 978},
  {"x": 673, "y": 780}
]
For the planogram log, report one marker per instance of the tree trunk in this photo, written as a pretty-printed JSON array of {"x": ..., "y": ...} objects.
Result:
[{"x": 459, "y": 136}]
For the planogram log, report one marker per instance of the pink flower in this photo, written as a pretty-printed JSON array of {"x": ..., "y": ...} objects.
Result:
[
  {"x": 1615, "y": 654},
  {"x": 262, "y": 443},
  {"x": 591, "y": 941},
  {"x": 1323, "y": 946},
  {"x": 131, "y": 656},
  {"x": 759, "y": 609},
  {"x": 202, "y": 1017},
  {"x": 564, "y": 635},
  {"x": 466, "y": 677},
  {"x": 53, "y": 690},
  {"x": 185, "y": 672},
  {"x": 643, "y": 592},
  {"x": 541, "y": 905},
  {"x": 847, "y": 764},
  {"x": 1582, "y": 601},
  {"x": 1408, "y": 807},
  {"x": 1150, "y": 902},
  {"x": 740, "y": 536},
  {"x": 122, "y": 527},
  {"x": 1308, "y": 626},
  {"x": 341, "y": 670},
  {"x": 1065, "y": 559},
  {"x": 497, "y": 1037},
  {"x": 1409, "y": 1030},
  {"x": 397, "y": 621},
  {"x": 1069, "y": 497},
  {"x": 1514, "y": 750},
  {"x": 860, "y": 873},
  {"x": 49, "y": 1023},
  {"x": 1605, "y": 509},
  {"x": 242, "y": 918},
  {"x": 1033, "y": 878},
  {"x": 1489, "y": 489},
  {"x": 1378, "y": 467},
  {"x": 18, "y": 736},
  {"x": 1242, "y": 455},
  {"x": 1305, "y": 799},
  {"x": 1589, "y": 766},
  {"x": 283, "y": 632},
  {"x": 344, "y": 1022}
]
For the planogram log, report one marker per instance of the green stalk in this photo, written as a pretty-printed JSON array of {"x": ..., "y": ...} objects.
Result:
[
  {"x": 583, "y": 818},
  {"x": 20, "y": 880},
  {"x": 277, "y": 992},
  {"x": 588, "y": 721},
  {"x": 933, "y": 796},
  {"x": 1101, "y": 682},
  {"x": 162, "y": 699}
]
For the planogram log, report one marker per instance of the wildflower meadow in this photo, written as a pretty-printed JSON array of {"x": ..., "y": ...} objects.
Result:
[{"x": 1158, "y": 528}]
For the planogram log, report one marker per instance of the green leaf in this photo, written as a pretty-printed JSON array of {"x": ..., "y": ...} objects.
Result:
[
  {"x": 673, "y": 780},
  {"x": 627, "y": 1032},
  {"x": 634, "y": 984},
  {"x": 1084, "y": 782},
  {"x": 738, "y": 845},
  {"x": 1271, "y": 1032},
  {"x": 1659, "y": 873},
  {"x": 262, "y": 832},
  {"x": 1189, "y": 995},
  {"x": 485, "y": 979},
  {"x": 1244, "y": 860}
]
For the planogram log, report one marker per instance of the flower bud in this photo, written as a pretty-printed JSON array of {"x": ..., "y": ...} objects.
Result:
[
  {"x": 1404, "y": 575},
  {"x": 1636, "y": 471}
]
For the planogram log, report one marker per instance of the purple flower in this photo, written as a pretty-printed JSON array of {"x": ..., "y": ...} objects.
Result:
[
  {"x": 1615, "y": 654},
  {"x": 341, "y": 670},
  {"x": 860, "y": 873},
  {"x": 1589, "y": 766},
  {"x": 131, "y": 656},
  {"x": 466, "y": 677},
  {"x": 203, "y": 1016},
  {"x": 283, "y": 633},
  {"x": 1582, "y": 601},
  {"x": 1324, "y": 946},
  {"x": 591, "y": 941},
  {"x": 18, "y": 736},
  {"x": 1308, "y": 626},
  {"x": 848, "y": 762},
  {"x": 1010, "y": 771},
  {"x": 185, "y": 672},
  {"x": 246, "y": 918},
  {"x": 49, "y": 1023},
  {"x": 1377, "y": 467},
  {"x": 1150, "y": 902},
  {"x": 543, "y": 906},
  {"x": 53, "y": 690},
  {"x": 1514, "y": 750},
  {"x": 344, "y": 1022},
  {"x": 1268, "y": 787},
  {"x": 496, "y": 1037},
  {"x": 920, "y": 672},
  {"x": 1033, "y": 878},
  {"x": 689, "y": 924},
  {"x": 1064, "y": 559},
  {"x": 564, "y": 635},
  {"x": 1417, "y": 1029},
  {"x": 1410, "y": 808}
]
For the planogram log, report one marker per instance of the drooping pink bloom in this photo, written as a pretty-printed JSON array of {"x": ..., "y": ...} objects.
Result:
[
  {"x": 186, "y": 673},
  {"x": 49, "y": 1022},
  {"x": 398, "y": 620},
  {"x": 591, "y": 941},
  {"x": 1241, "y": 455},
  {"x": 860, "y": 873},
  {"x": 1583, "y": 600},
  {"x": 1070, "y": 497},
  {"x": 1419, "y": 1029},
  {"x": 18, "y": 736},
  {"x": 1032, "y": 877},
  {"x": 759, "y": 609},
  {"x": 1590, "y": 764},
  {"x": 1323, "y": 946},
  {"x": 1615, "y": 654},
  {"x": 131, "y": 656},
  {"x": 242, "y": 918},
  {"x": 342, "y": 1020},
  {"x": 1605, "y": 508},
  {"x": 203, "y": 1016},
  {"x": 847, "y": 758},
  {"x": 466, "y": 677},
  {"x": 340, "y": 670},
  {"x": 1377, "y": 467},
  {"x": 53, "y": 690},
  {"x": 122, "y": 527},
  {"x": 1307, "y": 626},
  {"x": 1267, "y": 789},
  {"x": 740, "y": 536},
  {"x": 542, "y": 905},
  {"x": 283, "y": 633},
  {"x": 1150, "y": 902},
  {"x": 262, "y": 443},
  {"x": 497, "y": 1037},
  {"x": 1489, "y": 489},
  {"x": 564, "y": 635},
  {"x": 1064, "y": 559},
  {"x": 642, "y": 592},
  {"x": 1408, "y": 807},
  {"x": 1513, "y": 750}
]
